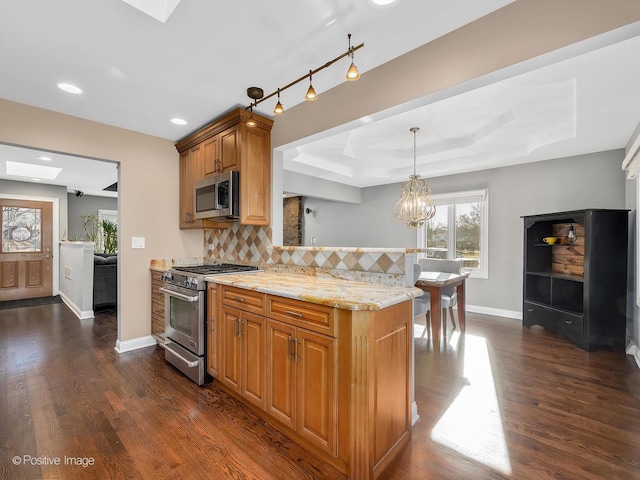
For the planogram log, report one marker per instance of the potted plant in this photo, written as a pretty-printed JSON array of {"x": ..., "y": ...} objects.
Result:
[{"x": 109, "y": 236}]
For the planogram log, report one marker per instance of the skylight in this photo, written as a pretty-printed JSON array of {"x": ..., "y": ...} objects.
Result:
[
  {"x": 161, "y": 10},
  {"x": 32, "y": 171}
]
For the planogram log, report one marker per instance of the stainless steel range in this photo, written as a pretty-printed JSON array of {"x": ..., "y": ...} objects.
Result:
[{"x": 185, "y": 309}]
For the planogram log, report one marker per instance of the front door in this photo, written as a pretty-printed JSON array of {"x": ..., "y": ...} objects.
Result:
[{"x": 26, "y": 255}]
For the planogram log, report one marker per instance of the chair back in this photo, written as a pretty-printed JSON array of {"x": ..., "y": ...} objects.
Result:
[
  {"x": 421, "y": 304},
  {"x": 439, "y": 265},
  {"x": 417, "y": 270}
]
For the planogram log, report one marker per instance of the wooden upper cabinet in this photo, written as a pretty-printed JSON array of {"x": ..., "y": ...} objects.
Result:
[
  {"x": 191, "y": 170},
  {"x": 228, "y": 144}
]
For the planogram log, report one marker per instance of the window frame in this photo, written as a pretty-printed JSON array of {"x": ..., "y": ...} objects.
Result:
[{"x": 449, "y": 200}]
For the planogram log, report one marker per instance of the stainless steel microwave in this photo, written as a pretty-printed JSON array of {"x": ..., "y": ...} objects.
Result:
[{"x": 217, "y": 196}]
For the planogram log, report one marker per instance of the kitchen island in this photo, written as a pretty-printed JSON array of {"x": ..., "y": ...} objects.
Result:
[{"x": 327, "y": 361}]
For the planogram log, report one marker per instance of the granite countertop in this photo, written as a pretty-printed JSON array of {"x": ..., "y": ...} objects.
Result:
[{"x": 333, "y": 292}]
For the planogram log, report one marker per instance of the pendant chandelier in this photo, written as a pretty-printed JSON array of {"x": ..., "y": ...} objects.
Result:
[{"x": 415, "y": 207}]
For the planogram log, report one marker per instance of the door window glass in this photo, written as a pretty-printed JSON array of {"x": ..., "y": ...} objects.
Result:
[{"x": 21, "y": 229}]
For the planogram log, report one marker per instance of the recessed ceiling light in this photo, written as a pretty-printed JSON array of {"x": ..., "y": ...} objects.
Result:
[
  {"x": 45, "y": 159},
  {"x": 178, "y": 121},
  {"x": 382, "y": 2},
  {"x": 29, "y": 170},
  {"x": 67, "y": 87}
]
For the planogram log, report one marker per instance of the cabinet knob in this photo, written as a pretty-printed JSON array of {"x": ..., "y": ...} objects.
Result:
[
  {"x": 529, "y": 309},
  {"x": 569, "y": 322}
]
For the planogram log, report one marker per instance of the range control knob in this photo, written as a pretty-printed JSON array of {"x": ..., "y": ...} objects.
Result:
[{"x": 166, "y": 277}]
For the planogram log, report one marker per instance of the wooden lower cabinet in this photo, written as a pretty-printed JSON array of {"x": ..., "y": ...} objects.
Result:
[
  {"x": 336, "y": 381},
  {"x": 301, "y": 382},
  {"x": 157, "y": 305}
]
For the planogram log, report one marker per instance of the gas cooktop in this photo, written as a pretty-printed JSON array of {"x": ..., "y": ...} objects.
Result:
[
  {"x": 192, "y": 276},
  {"x": 213, "y": 269}
]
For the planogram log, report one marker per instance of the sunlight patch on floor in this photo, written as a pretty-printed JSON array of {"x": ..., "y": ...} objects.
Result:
[
  {"x": 472, "y": 424},
  {"x": 420, "y": 330}
]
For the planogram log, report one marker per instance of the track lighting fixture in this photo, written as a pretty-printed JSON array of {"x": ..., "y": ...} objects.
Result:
[
  {"x": 279, "y": 109},
  {"x": 257, "y": 94}
]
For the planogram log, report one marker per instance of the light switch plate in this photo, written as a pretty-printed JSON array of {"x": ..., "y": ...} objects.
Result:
[{"x": 137, "y": 242}]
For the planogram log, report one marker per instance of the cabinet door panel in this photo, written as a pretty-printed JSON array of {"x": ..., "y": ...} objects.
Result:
[
  {"x": 231, "y": 350},
  {"x": 316, "y": 384},
  {"x": 229, "y": 149},
  {"x": 280, "y": 373},
  {"x": 255, "y": 178},
  {"x": 253, "y": 345},
  {"x": 210, "y": 156}
]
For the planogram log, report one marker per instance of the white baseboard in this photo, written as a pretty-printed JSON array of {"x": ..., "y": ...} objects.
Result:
[
  {"x": 135, "y": 343},
  {"x": 634, "y": 351},
  {"x": 498, "y": 312},
  {"x": 81, "y": 314}
]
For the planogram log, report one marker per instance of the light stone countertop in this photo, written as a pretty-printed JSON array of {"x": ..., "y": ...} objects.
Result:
[{"x": 333, "y": 292}]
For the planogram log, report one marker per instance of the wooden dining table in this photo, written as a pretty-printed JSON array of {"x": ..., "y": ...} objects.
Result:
[{"x": 433, "y": 282}]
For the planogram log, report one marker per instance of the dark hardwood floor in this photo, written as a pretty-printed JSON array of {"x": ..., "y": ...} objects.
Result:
[{"x": 498, "y": 402}]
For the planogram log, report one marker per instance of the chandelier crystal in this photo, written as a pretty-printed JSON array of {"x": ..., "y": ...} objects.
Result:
[{"x": 415, "y": 207}]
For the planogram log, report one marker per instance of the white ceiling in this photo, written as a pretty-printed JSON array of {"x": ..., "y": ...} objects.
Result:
[{"x": 137, "y": 73}]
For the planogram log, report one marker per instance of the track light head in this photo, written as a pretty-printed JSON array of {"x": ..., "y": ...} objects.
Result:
[
  {"x": 252, "y": 121},
  {"x": 311, "y": 94},
  {"x": 279, "y": 109},
  {"x": 352, "y": 72}
]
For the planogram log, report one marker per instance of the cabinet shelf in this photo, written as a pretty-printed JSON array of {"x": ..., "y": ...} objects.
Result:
[{"x": 564, "y": 276}]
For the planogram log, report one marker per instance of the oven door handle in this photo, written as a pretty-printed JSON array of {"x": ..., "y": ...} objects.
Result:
[
  {"x": 181, "y": 296},
  {"x": 187, "y": 362}
]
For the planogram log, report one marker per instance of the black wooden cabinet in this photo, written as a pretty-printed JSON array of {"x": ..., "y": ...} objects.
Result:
[{"x": 578, "y": 285}]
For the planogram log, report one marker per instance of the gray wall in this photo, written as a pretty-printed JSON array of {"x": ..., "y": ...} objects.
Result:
[
  {"x": 29, "y": 189},
  {"x": 587, "y": 181},
  {"x": 85, "y": 205}
]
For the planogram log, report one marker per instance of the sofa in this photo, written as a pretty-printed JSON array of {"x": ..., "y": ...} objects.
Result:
[{"x": 105, "y": 280}]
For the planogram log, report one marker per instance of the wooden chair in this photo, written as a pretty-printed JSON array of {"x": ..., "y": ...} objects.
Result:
[{"x": 448, "y": 297}]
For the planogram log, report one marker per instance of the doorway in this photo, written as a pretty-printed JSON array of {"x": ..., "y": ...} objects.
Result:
[{"x": 26, "y": 251}]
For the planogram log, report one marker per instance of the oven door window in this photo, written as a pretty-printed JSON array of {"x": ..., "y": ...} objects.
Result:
[{"x": 181, "y": 315}]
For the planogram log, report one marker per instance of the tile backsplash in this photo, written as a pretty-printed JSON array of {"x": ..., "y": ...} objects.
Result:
[{"x": 251, "y": 244}]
